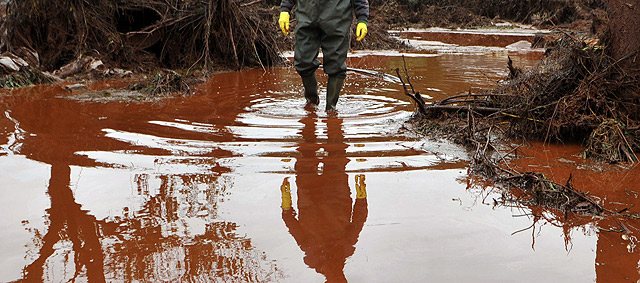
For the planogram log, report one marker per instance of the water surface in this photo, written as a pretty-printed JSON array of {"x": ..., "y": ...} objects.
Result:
[{"x": 240, "y": 182}]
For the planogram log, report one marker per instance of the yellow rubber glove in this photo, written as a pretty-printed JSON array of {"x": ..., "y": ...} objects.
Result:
[
  {"x": 284, "y": 22},
  {"x": 361, "y": 187},
  {"x": 361, "y": 31},
  {"x": 285, "y": 189}
]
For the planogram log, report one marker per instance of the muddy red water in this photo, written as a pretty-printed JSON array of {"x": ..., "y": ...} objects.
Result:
[{"x": 241, "y": 183}]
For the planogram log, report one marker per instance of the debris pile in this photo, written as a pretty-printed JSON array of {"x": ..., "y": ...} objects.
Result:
[
  {"x": 163, "y": 84},
  {"x": 576, "y": 93}
]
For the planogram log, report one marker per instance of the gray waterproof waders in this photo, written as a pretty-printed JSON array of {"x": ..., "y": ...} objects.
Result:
[
  {"x": 310, "y": 84},
  {"x": 323, "y": 24},
  {"x": 334, "y": 85}
]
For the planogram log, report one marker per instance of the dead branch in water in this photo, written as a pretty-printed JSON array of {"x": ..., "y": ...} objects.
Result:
[{"x": 415, "y": 96}]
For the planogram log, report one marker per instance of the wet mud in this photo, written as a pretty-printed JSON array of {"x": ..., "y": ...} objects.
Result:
[{"x": 240, "y": 182}]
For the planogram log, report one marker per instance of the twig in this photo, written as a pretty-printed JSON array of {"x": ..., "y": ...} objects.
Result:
[
  {"x": 415, "y": 96},
  {"x": 453, "y": 101},
  {"x": 251, "y": 3},
  {"x": 235, "y": 53},
  {"x": 445, "y": 101},
  {"x": 456, "y": 107},
  {"x": 525, "y": 229},
  {"x": 407, "y": 73}
]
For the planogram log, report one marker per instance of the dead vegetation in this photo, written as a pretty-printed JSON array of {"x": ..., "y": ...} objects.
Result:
[
  {"x": 25, "y": 77},
  {"x": 587, "y": 15},
  {"x": 163, "y": 84},
  {"x": 575, "y": 93},
  {"x": 609, "y": 142},
  {"x": 140, "y": 35}
]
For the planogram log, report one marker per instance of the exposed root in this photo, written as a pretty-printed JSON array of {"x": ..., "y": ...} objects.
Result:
[
  {"x": 539, "y": 190},
  {"x": 159, "y": 33},
  {"x": 551, "y": 200}
]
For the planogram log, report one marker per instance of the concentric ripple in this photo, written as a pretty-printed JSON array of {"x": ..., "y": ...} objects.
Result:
[{"x": 262, "y": 126}]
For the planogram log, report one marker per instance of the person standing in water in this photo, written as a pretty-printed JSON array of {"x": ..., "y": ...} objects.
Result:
[{"x": 326, "y": 24}]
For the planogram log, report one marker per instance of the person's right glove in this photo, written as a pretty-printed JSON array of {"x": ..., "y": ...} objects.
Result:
[
  {"x": 284, "y": 22},
  {"x": 361, "y": 30}
]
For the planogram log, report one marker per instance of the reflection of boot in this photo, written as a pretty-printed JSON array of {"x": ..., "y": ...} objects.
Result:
[
  {"x": 310, "y": 84},
  {"x": 334, "y": 85}
]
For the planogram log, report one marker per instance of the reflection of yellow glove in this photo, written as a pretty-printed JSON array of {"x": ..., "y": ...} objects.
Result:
[
  {"x": 284, "y": 22},
  {"x": 285, "y": 189},
  {"x": 361, "y": 187},
  {"x": 361, "y": 30}
]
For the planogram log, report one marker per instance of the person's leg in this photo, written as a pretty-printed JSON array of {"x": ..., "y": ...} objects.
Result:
[
  {"x": 335, "y": 44},
  {"x": 334, "y": 86},
  {"x": 310, "y": 84},
  {"x": 306, "y": 48}
]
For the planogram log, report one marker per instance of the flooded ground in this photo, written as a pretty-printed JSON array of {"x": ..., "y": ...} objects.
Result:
[{"x": 241, "y": 183}]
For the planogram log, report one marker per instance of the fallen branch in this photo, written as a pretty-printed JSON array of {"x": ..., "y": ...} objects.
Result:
[
  {"x": 251, "y": 3},
  {"x": 464, "y": 108},
  {"x": 415, "y": 96}
]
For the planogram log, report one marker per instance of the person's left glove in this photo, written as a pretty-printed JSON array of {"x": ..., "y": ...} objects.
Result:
[
  {"x": 285, "y": 190},
  {"x": 361, "y": 187},
  {"x": 284, "y": 22},
  {"x": 361, "y": 30}
]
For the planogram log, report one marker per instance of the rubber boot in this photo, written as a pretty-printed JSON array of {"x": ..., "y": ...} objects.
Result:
[
  {"x": 334, "y": 86},
  {"x": 310, "y": 84}
]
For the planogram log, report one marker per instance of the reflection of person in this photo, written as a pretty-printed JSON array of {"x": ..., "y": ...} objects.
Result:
[
  {"x": 326, "y": 24},
  {"x": 327, "y": 226}
]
